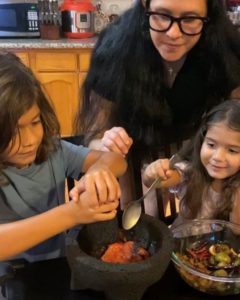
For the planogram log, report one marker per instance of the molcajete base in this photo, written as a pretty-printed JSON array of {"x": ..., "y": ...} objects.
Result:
[{"x": 119, "y": 281}]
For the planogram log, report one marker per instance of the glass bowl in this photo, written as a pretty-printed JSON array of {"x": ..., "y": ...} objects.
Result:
[{"x": 197, "y": 245}]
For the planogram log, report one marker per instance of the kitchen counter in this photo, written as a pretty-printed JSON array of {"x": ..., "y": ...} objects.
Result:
[{"x": 39, "y": 43}]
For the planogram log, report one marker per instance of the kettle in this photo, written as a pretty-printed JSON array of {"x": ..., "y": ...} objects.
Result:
[{"x": 77, "y": 18}]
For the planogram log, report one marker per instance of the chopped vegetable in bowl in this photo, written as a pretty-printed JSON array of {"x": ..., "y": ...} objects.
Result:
[{"x": 207, "y": 255}]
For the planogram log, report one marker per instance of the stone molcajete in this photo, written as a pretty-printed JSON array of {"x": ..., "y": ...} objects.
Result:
[{"x": 119, "y": 281}]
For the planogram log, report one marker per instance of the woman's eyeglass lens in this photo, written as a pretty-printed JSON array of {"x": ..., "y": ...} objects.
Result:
[{"x": 188, "y": 25}]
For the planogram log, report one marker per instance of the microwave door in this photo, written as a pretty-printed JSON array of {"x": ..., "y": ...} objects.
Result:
[{"x": 18, "y": 20}]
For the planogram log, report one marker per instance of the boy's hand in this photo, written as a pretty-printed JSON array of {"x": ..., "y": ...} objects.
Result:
[
  {"x": 76, "y": 191},
  {"x": 101, "y": 186},
  {"x": 85, "y": 213},
  {"x": 96, "y": 213}
]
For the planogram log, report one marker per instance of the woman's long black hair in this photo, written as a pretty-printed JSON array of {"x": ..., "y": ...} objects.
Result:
[{"x": 127, "y": 69}]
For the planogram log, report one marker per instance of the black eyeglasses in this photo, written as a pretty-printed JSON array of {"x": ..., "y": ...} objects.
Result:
[{"x": 189, "y": 25}]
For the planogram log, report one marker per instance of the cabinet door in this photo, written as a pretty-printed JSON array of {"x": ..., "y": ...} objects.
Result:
[
  {"x": 56, "y": 61},
  {"x": 84, "y": 62},
  {"x": 77, "y": 104},
  {"x": 24, "y": 57},
  {"x": 63, "y": 90}
]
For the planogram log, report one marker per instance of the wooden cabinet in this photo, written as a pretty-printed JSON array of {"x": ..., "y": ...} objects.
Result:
[
  {"x": 24, "y": 57},
  {"x": 61, "y": 73},
  {"x": 62, "y": 88},
  {"x": 83, "y": 61}
]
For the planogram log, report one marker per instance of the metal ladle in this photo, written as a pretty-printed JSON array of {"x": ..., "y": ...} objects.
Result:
[{"x": 132, "y": 212}]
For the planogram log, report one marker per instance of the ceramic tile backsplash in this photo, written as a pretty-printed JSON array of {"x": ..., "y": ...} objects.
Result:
[{"x": 117, "y": 7}]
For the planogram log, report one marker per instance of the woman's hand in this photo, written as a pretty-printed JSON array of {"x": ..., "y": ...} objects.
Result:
[{"x": 116, "y": 140}]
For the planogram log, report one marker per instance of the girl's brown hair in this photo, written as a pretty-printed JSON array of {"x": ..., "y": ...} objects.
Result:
[
  {"x": 198, "y": 179},
  {"x": 19, "y": 91}
]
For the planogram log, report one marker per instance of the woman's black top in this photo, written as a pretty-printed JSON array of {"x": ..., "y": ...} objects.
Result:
[{"x": 185, "y": 101}]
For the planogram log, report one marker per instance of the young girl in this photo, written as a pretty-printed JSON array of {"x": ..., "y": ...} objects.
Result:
[
  {"x": 34, "y": 163},
  {"x": 207, "y": 179}
]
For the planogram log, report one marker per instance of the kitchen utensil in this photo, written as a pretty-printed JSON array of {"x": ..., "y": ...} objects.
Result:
[
  {"x": 132, "y": 212},
  {"x": 49, "y": 19},
  {"x": 119, "y": 281}
]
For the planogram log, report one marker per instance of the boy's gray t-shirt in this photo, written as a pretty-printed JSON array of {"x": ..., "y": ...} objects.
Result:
[{"x": 37, "y": 189}]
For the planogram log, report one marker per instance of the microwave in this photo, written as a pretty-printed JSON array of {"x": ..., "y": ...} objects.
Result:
[{"x": 19, "y": 18}]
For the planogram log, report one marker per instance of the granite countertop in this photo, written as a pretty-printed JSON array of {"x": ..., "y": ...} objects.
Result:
[{"x": 39, "y": 43}]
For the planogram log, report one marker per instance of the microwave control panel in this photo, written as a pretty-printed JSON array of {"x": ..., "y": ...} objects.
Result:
[{"x": 32, "y": 19}]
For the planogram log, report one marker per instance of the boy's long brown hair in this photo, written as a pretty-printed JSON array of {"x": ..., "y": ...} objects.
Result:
[
  {"x": 198, "y": 179},
  {"x": 19, "y": 91}
]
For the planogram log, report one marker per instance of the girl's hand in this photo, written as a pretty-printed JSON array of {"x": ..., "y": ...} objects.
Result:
[
  {"x": 159, "y": 168},
  {"x": 116, "y": 140},
  {"x": 101, "y": 186}
]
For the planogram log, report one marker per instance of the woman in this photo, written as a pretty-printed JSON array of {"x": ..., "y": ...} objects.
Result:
[{"x": 157, "y": 70}]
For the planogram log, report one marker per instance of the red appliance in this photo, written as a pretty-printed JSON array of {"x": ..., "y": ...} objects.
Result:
[{"x": 78, "y": 18}]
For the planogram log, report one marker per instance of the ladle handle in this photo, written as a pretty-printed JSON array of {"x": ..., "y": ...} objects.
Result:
[
  {"x": 171, "y": 165},
  {"x": 150, "y": 188}
]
